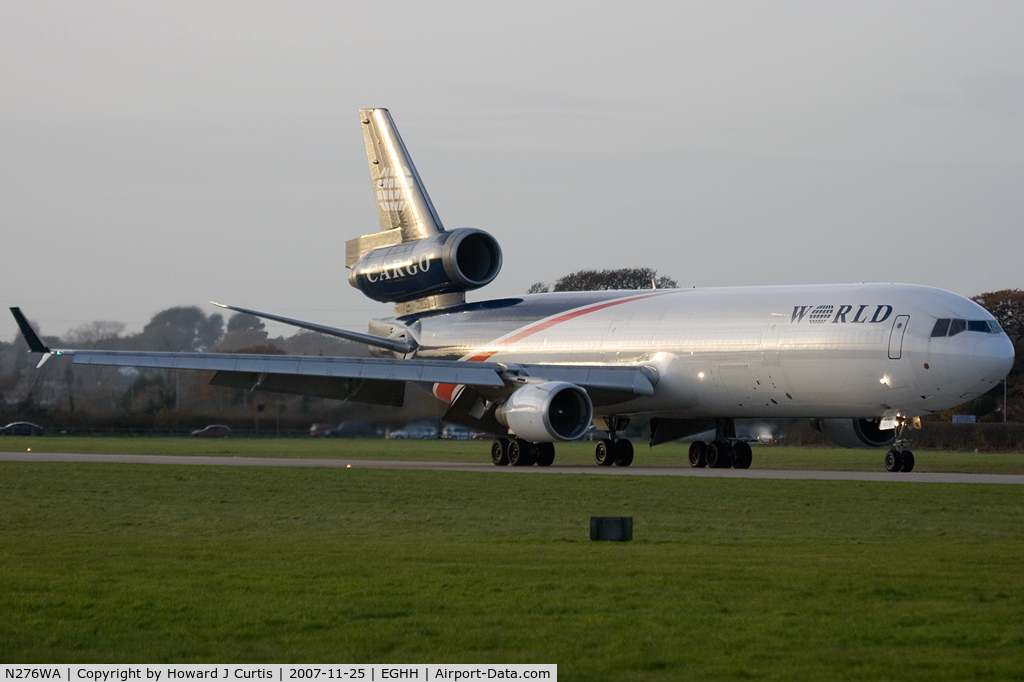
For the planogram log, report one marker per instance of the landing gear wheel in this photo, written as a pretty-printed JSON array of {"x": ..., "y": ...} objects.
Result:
[
  {"x": 726, "y": 455},
  {"x": 719, "y": 455},
  {"x": 521, "y": 453},
  {"x": 744, "y": 456},
  {"x": 711, "y": 455},
  {"x": 605, "y": 452},
  {"x": 623, "y": 452},
  {"x": 908, "y": 461},
  {"x": 893, "y": 461},
  {"x": 545, "y": 454},
  {"x": 499, "y": 452},
  {"x": 698, "y": 454}
]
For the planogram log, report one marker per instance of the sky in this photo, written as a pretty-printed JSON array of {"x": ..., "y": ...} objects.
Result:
[{"x": 162, "y": 154}]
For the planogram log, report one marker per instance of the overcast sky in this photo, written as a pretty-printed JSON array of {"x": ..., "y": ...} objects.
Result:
[{"x": 154, "y": 155}]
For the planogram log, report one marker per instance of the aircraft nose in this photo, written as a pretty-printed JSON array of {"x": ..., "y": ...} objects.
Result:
[{"x": 993, "y": 357}]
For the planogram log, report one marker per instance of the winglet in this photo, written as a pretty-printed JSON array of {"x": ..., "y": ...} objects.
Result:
[{"x": 35, "y": 344}]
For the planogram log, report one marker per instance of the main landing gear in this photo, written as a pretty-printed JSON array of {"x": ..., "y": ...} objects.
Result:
[
  {"x": 721, "y": 454},
  {"x": 900, "y": 458},
  {"x": 614, "y": 450},
  {"x": 521, "y": 453},
  {"x": 724, "y": 451}
]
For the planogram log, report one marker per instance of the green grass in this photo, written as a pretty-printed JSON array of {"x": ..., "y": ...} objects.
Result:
[
  {"x": 671, "y": 454},
  {"x": 725, "y": 578}
]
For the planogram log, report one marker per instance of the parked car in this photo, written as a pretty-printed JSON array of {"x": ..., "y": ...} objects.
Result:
[
  {"x": 451, "y": 432},
  {"x": 321, "y": 430},
  {"x": 213, "y": 431},
  {"x": 414, "y": 432},
  {"x": 343, "y": 430},
  {"x": 21, "y": 429}
]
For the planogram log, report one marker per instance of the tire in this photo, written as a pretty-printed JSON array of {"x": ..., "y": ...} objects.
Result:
[
  {"x": 521, "y": 453},
  {"x": 623, "y": 453},
  {"x": 698, "y": 454},
  {"x": 908, "y": 461},
  {"x": 711, "y": 454},
  {"x": 719, "y": 455},
  {"x": 604, "y": 453},
  {"x": 893, "y": 461},
  {"x": 545, "y": 454},
  {"x": 726, "y": 455},
  {"x": 744, "y": 456},
  {"x": 515, "y": 453},
  {"x": 499, "y": 452}
]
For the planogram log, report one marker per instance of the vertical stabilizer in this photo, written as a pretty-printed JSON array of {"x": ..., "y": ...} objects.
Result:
[{"x": 402, "y": 200}]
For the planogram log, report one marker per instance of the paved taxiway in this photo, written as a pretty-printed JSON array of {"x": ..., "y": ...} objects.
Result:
[{"x": 780, "y": 474}]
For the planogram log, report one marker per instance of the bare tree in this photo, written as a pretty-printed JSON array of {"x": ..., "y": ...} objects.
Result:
[{"x": 92, "y": 333}]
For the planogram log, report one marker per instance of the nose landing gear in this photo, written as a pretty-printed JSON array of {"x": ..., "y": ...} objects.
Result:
[{"x": 900, "y": 458}]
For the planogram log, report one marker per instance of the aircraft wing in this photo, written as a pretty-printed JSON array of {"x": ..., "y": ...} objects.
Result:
[
  {"x": 371, "y": 380},
  {"x": 378, "y": 381},
  {"x": 375, "y": 380},
  {"x": 363, "y": 379},
  {"x": 429, "y": 371}
]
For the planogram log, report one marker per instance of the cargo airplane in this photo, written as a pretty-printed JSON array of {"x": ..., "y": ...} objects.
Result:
[{"x": 862, "y": 361}]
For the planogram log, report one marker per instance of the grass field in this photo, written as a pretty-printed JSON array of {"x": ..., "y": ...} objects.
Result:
[
  {"x": 724, "y": 579},
  {"x": 671, "y": 454}
]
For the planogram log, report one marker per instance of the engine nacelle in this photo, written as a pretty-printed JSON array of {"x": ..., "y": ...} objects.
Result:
[
  {"x": 445, "y": 263},
  {"x": 854, "y": 433},
  {"x": 551, "y": 411}
]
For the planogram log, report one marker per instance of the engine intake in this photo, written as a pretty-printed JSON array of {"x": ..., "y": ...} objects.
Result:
[
  {"x": 854, "y": 433},
  {"x": 551, "y": 411},
  {"x": 448, "y": 262}
]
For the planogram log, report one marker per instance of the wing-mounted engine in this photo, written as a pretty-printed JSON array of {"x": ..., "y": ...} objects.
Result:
[
  {"x": 445, "y": 263},
  {"x": 547, "y": 412},
  {"x": 412, "y": 262},
  {"x": 854, "y": 433}
]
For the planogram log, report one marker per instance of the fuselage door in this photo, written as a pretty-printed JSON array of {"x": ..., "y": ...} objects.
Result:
[
  {"x": 770, "y": 341},
  {"x": 899, "y": 328}
]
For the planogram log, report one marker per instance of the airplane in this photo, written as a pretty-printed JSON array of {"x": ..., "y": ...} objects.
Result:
[{"x": 862, "y": 362}]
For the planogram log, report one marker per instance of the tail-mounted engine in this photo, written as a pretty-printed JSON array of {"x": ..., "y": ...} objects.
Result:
[
  {"x": 412, "y": 262},
  {"x": 547, "y": 412},
  {"x": 444, "y": 263},
  {"x": 854, "y": 433}
]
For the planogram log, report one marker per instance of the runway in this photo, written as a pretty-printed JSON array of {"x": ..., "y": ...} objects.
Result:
[{"x": 483, "y": 467}]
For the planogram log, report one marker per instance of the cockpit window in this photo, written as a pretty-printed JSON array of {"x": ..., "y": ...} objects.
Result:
[{"x": 947, "y": 327}]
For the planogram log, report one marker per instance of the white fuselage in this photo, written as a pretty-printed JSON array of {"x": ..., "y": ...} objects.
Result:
[{"x": 853, "y": 350}]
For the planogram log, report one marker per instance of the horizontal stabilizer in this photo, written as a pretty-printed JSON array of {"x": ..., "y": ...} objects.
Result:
[{"x": 370, "y": 340}]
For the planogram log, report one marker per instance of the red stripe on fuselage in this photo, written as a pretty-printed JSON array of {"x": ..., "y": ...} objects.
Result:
[{"x": 444, "y": 391}]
